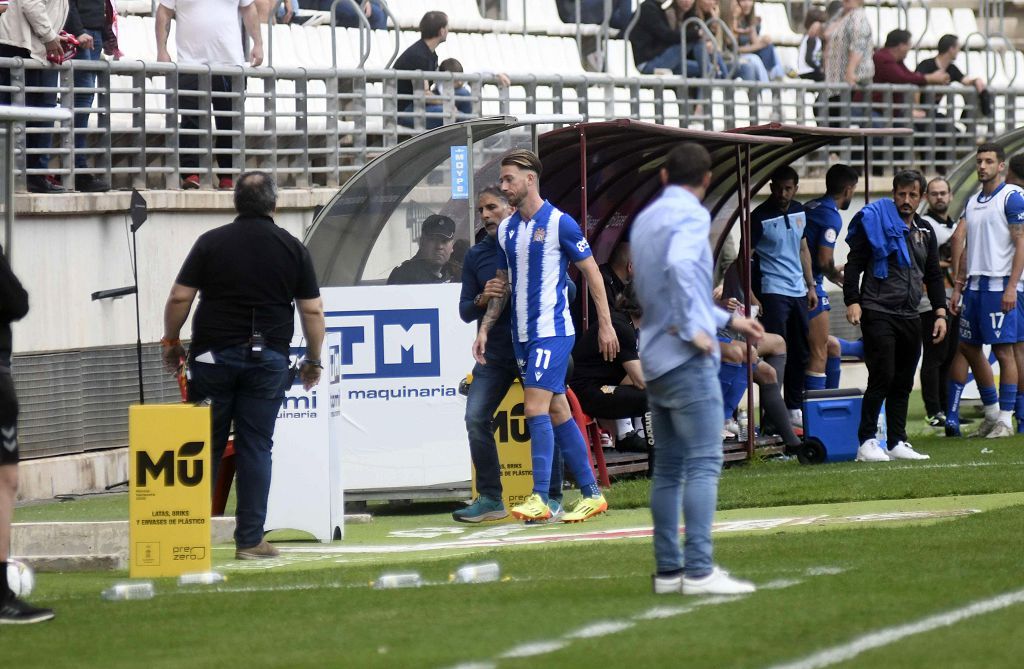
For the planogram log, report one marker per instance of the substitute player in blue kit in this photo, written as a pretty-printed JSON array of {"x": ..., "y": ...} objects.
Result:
[
  {"x": 538, "y": 242},
  {"x": 988, "y": 278}
]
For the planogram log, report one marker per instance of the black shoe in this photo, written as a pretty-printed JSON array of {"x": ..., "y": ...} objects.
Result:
[
  {"x": 17, "y": 612},
  {"x": 90, "y": 183},
  {"x": 41, "y": 184},
  {"x": 632, "y": 443}
]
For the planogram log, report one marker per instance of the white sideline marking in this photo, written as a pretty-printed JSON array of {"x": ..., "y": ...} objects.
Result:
[
  {"x": 475, "y": 665},
  {"x": 534, "y": 649},
  {"x": 824, "y": 571},
  {"x": 600, "y": 629},
  {"x": 875, "y": 470},
  {"x": 890, "y": 635},
  {"x": 780, "y": 584}
]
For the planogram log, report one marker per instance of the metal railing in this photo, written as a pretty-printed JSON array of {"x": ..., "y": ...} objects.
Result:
[{"x": 317, "y": 126}]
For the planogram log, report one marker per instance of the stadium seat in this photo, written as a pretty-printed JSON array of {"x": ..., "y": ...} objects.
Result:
[
  {"x": 966, "y": 24},
  {"x": 542, "y": 17},
  {"x": 775, "y": 22}
]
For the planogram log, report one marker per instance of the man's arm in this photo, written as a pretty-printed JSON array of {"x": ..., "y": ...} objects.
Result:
[
  {"x": 179, "y": 303},
  {"x": 607, "y": 341},
  {"x": 494, "y": 308},
  {"x": 251, "y": 21},
  {"x": 635, "y": 372},
  {"x": 936, "y": 288},
  {"x": 856, "y": 261},
  {"x": 311, "y": 319},
  {"x": 827, "y": 263},
  {"x": 1010, "y": 294},
  {"x": 805, "y": 262},
  {"x": 958, "y": 266},
  {"x": 469, "y": 310},
  {"x": 163, "y": 31}
]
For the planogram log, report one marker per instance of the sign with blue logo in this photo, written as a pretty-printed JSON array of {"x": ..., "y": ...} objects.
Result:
[
  {"x": 460, "y": 172},
  {"x": 388, "y": 343}
]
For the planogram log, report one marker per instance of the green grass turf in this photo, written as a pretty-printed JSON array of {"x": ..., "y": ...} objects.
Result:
[{"x": 891, "y": 576}]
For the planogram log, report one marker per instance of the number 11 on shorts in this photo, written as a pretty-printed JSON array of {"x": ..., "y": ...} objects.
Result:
[{"x": 543, "y": 358}]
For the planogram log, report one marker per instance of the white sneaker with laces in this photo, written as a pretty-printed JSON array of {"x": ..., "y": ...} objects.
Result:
[
  {"x": 1000, "y": 430},
  {"x": 667, "y": 585},
  {"x": 718, "y": 582},
  {"x": 872, "y": 451},
  {"x": 987, "y": 425},
  {"x": 904, "y": 451}
]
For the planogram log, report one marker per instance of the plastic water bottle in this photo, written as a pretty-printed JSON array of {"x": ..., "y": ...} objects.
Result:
[
  {"x": 202, "y": 578},
  {"x": 129, "y": 590},
  {"x": 743, "y": 422},
  {"x": 403, "y": 580},
  {"x": 488, "y": 572}
]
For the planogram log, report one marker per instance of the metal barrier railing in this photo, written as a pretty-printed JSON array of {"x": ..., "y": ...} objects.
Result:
[{"x": 317, "y": 126}]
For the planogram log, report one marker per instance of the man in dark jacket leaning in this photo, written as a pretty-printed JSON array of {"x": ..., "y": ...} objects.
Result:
[{"x": 898, "y": 256}]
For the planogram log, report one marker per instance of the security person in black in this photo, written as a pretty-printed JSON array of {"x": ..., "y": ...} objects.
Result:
[
  {"x": 13, "y": 306},
  {"x": 430, "y": 264},
  {"x": 247, "y": 275}
]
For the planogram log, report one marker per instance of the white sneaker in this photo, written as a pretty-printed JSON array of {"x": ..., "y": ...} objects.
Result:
[
  {"x": 1000, "y": 430},
  {"x": 796, "y": 417},
  {"x": 667, "y": 585},
  {"x": 904, "y": 451},
  {"x": 732, "y": 426},
  {"x": 872, "y": 451},
  {"x": 718, "y": 582},
  {"x": 987, "y": 425}
]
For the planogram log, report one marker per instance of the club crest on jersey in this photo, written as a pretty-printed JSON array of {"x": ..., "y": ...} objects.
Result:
[
  {"x": 830, "y": 236},
  {"x": 540, "y": 234}
]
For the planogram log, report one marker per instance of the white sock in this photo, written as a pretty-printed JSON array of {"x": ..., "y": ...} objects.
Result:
[
  {"x": 623, "y": 426},
  {"x": 992, "y": 411},
  {"x": 1006, "y": 418}
]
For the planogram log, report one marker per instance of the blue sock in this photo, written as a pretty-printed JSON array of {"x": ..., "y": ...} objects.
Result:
[
  {"x": 726, "y": 377},
  {"x": 574, "y": 451},
  {"x": 732, "y": 398},
  {"x": 833, "y": 370},
  {"x": 851, "y": 348},
  {"x": 954, "y": 391},
  {"x": 815, "y": 381},
  {"x": 988, "y": 395},
  {"x": 542, "y": 448},
  {"x": 1007, "y": 396},
  {"x": 1020, "y": 412}
]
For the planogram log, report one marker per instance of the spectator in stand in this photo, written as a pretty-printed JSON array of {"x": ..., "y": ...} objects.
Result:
[
  {"x": 890, "y": 69},
  {"x": 937, "y": 356},
  {"x": 893, "y": 256},
  {"x": 92, "y": 22},
  {"x": 285, "y": 12},
  {"x": 209, "y": 34},
  {"x": 346, "y": 17},
  {"x": 656, "y": 44},
  {"x": 592, "y": 12},
  {"x": 823, "y": 227},
  {"x": 747, "y": 67},
  {"x": 430, "y": 264},
  {"x": 782, "y": 278},
  {"x": 29, "y": 29},
  {"x": 942, "y": 124},
  {"x": 809, "y": 55},
  {"x": 421, "y": 56},
  {"x": 459, "y": 89},
  {"x": 847, "y": 60},
  {"x": 746, "y": 26},
  {"x": 614, "y": 389}
]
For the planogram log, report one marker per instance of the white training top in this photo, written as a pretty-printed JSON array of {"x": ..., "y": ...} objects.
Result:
[
  {"x": 208, "y": 32},
  {"x": 989, "y": 245}
]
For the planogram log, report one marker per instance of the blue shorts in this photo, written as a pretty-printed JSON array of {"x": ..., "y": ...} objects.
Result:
[
  {"x": 982, "y": 320},
  {"x": 544, "y": 362},
  {"x": 823, "y": 303}
]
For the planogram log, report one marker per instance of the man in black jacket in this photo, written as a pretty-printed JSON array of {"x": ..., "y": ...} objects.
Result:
[
  {"x": 885, "y": 302},
  {"x": 656, "y": 44},
  {"x": 13, "y": 306}
]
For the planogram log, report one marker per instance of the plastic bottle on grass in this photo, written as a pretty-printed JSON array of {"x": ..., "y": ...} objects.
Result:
[
  {"x": 202, "y": 578},
  {"x": 129, "y": 590},
  {"x": 488, "y": 572},
  {"x": 403, "y": 580}
]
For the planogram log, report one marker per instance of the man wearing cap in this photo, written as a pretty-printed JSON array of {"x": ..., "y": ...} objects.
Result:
[{"x": 437, "y": 239}]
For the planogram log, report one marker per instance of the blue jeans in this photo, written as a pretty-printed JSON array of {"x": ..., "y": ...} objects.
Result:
[
  {"x": 463, "y": 108},
  {"x": 346, "y": 16},
  {"x": 490, "y": 385},
  {"x": 696, "y": 62},
  {"x": 686, "y": 408},
  {"x": 33, "y": 79},
  {"x": 83, "y": 100},
  {"x": 248, "y": 392}
]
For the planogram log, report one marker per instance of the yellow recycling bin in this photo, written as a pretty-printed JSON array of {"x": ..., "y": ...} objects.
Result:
[
  {"x": 169, "y": 490},
  {"x": 511, "y": 437}
]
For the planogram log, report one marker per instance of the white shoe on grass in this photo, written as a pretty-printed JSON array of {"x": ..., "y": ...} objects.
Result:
[
  {"x": 1000, "y": 430},
  {"x": 987, "y": 425},
  {"x": 904, "y": 451},
  {"x": 718, "y": 582},
  {"x": 872, "y": 451}
]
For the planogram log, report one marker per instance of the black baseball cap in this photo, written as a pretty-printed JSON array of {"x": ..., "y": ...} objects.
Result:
[{"x": 438, "y": 226}]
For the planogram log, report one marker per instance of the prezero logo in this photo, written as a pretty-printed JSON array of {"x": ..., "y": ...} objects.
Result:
[{"x": 391, "y": 343}]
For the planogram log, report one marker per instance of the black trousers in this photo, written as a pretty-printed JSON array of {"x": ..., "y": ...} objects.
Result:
[
  {"x": 935, "y": 362},
  {"x": 892, "y": 347},
  {"x": 188, "y": 101},
  {"x": 622, "y": 402},
  {"x": 787, "y": 317}
]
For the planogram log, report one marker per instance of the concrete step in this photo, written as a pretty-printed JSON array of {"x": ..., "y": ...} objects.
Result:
[{"x": 92, "y": 538}]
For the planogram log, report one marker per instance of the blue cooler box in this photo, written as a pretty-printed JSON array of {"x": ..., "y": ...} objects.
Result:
[{"x": 831, "y": 418}]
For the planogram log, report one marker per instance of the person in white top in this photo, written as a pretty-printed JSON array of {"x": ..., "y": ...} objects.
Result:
[
  {"x": 987, "y": 278},
  {"x": 208, "y": 33}
]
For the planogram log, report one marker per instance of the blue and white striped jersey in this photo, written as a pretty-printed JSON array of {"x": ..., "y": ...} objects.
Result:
[{"x": 537, "y": 253}]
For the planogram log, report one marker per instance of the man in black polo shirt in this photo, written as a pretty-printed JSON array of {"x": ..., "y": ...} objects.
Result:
[
  {"x": 430, "y": 264},
  {"x": 249, "y": 272},
  {"x": 420, "y": 56}
]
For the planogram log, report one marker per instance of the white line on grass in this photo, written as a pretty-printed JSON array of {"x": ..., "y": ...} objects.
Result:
[
  {"x": 534, "y": 649},
  {"x": 600, "y": 629},
  {"x": 844, "y": 471},
  {"x": 890, "y": 635}
]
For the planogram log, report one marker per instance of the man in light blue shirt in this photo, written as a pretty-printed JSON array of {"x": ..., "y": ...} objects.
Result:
[{"x": 680, "y": 358}]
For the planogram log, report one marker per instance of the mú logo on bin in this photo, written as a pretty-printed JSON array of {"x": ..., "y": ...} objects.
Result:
[{"x": 392, "y": 343}]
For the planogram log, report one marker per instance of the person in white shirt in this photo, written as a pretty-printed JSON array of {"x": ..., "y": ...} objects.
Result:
[{"x": 208, "y": 33}]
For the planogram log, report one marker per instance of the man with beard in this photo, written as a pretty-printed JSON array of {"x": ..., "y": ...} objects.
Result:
[
  {"x": 896, "y": 253},
  {"x": 988, "y": 278},
  {"x": 437, "y": 240}
]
